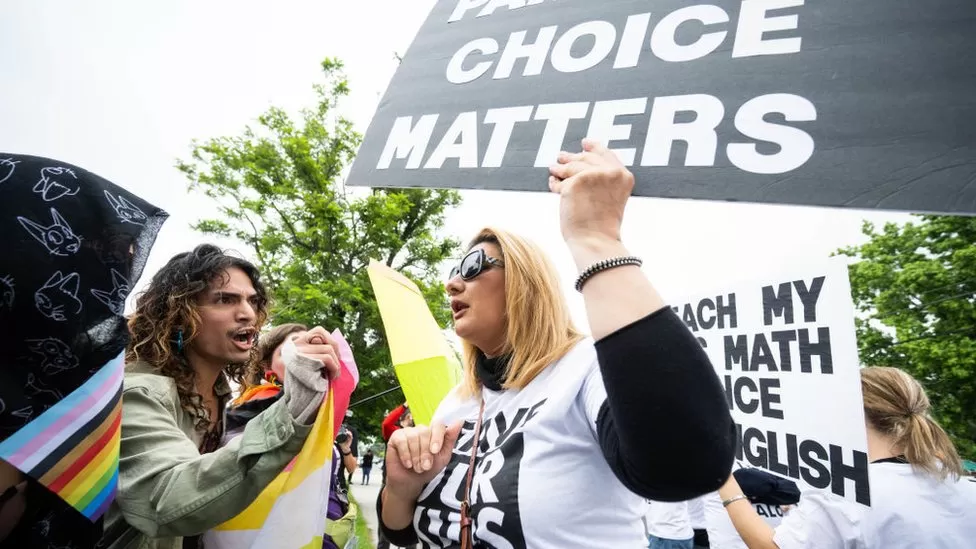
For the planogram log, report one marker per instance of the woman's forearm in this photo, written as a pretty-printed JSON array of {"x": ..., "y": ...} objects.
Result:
[
  {"x": 397, "y": 512},
  {"x": 617, "y": 297},
  {"x": 751, "y": 527}
]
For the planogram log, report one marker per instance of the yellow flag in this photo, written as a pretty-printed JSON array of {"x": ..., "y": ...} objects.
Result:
[
  {"x": 290, "y": 512},
  {"x": 424, "y": 362}
]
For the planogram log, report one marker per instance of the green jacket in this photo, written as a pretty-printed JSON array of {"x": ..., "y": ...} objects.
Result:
[{"x": 167, "y": 490}]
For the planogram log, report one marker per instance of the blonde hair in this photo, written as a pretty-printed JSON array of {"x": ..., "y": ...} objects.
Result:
[
  {"x": 538, "y": 327},
  {"x": 895, "y": 404}
]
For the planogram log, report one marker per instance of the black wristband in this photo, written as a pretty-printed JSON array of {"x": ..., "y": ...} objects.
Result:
[{"x": 605, "y": 265}]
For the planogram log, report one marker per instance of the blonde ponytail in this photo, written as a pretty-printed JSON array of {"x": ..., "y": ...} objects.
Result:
[{"x": 895, "y": 404}]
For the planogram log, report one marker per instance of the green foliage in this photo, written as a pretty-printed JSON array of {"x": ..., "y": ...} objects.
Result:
[
  {"x": 915, "y": 288},
  {"x": 279, "y": 191}
]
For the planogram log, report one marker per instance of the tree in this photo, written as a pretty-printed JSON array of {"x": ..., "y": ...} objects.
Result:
[
  {"x": 279, "y": 190},
  {"x": 915, "y": 289}
]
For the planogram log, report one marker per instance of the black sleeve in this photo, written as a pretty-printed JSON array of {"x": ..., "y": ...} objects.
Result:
[
  {"x": 401, "y": 538},
  {"x": 665, "y": 428}
]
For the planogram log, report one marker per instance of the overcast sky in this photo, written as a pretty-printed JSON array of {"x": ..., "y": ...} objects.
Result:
[{"x": 121, "y": 88}]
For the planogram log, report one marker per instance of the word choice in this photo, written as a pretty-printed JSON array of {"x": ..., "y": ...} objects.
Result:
[
  {"x": 599, "y": 38},
  {"x": 409, "y": 139}
]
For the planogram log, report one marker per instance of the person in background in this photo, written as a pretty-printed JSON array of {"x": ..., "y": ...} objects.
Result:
[
  {"x": 192, "y": 331},
  {"x": 547, "y": 442},
  {"x": 367, "y": 466},
  {"x": 346, "y": 439},
  {"x": 267, "y": 387},
  {"x": 353, "y": 450},
  {"x": 397, "y": 419},
  {"x": 668, "y": 525},
  {"x": 769, "y": 495},
  {"x": 917, "y": 497},
  {"x": 74, "y": 244},
  {"x": 340, "y": 523}
]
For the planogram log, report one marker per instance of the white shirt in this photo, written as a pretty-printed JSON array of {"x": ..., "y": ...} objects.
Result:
[
  {"x": 908, "y": 510},
  {"x": 696, "y": 513},
  {"x": 722, "y": 533},
  {"x": 668, "y": 520},
  {"x": 541, "y": 480}
]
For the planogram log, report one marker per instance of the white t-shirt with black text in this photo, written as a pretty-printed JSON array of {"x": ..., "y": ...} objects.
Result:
[
  {"x": 908, "y": 510},
  {"x": 541, "y": 480},
  {"x": 722, "y": 533}
]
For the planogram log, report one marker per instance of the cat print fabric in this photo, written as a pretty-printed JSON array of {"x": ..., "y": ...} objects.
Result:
[
  {"x": 127, "y": 211},
  {"x": 59, "y": 296},
  {"x": 7, "y": 167},
  {"x": 55, "y": 355},
  {"x": 58, "y": 237},
  {"x": 114, "y": 299},
  {"x": 57, "y": 182},
  {"x": 7, "y": 293},
  {"x": 74, "y": 244}
]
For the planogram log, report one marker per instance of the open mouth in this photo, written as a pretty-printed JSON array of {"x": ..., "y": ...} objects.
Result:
[
  {"x": 245, "y": 337},
  {"x": 458, "y": 307}
]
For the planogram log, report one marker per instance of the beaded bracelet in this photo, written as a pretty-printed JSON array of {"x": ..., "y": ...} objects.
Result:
[{"x": 605, "y": 265}]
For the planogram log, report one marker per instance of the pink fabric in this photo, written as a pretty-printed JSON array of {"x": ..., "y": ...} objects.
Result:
[{"x": 346, "y": 383}]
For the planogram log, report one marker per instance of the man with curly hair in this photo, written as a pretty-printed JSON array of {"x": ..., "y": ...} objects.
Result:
[{"x": 193, "y": 328}]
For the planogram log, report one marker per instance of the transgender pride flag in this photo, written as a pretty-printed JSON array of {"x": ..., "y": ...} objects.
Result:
[{"x": 290, "y": 512}]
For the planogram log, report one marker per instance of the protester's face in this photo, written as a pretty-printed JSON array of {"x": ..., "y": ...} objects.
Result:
[
  {"x": 407, "y": 420},
  {"x": 479, "y": 305},
  {"x": 277, "y": 364},
  {"x": 228, "y": 312}
]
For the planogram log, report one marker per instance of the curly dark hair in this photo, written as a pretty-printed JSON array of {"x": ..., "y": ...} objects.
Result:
[{"x": 169, "y": 304}]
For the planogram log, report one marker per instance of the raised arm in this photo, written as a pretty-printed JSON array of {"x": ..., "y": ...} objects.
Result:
[{"x": 665, "y": 428}]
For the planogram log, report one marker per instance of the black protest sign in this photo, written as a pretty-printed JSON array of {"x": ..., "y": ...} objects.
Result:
[
  {"x": 786, "y": 353},
  {"x": 867, "y": 104}
]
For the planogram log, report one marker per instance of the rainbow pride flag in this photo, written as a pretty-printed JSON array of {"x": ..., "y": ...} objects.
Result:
[
  {"x": 73, "y": 447},
  {"x": 290, "y": 512}
]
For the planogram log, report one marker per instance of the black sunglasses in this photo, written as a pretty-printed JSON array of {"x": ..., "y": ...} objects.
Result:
[{"x": 473, "y": 264}]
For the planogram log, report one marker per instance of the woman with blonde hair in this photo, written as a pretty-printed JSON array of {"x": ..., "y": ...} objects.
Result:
[
  {"x": 917, "y": 499},
  {"x": 553, "y": 440}
]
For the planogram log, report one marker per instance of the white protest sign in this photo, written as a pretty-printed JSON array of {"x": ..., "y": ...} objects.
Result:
[{"x": 785, "y": 350}]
